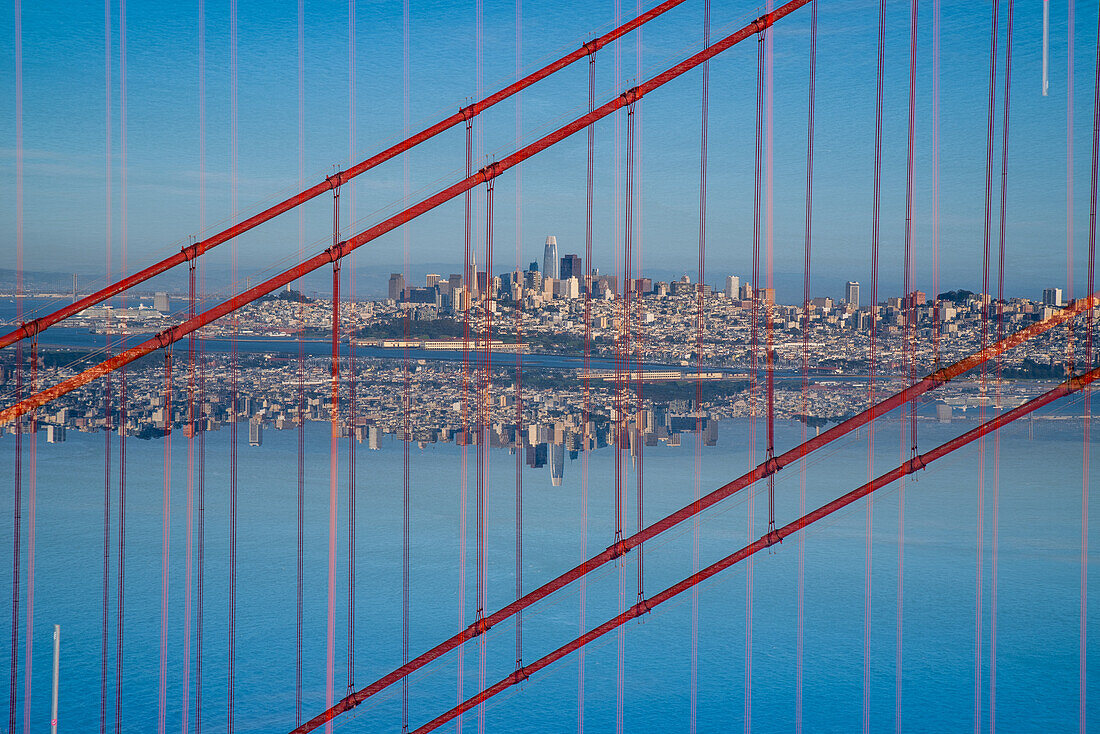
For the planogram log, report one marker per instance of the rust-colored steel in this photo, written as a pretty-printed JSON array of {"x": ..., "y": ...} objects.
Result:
[
  {"x": 760, "y": 472},
  {"x": 769, "y": 539},
  {"x": 192, "y": 251},
  {"x": 341, "y": 249}
]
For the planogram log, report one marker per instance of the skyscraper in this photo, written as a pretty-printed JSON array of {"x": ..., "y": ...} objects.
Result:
[
  {"x": 851, "y": 293},
  {"x": 1052, "y": 297},
  {"x": 571, "y": 267},
  {"x": 160, "y": 302},
  {"x": 550, "y": 258},
  {"x": 397, "y": 286},
  {"x": 733, "y": 284}
]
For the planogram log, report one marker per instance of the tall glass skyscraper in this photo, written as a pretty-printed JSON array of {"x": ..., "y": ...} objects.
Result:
[{"x": 550, "y": 258}]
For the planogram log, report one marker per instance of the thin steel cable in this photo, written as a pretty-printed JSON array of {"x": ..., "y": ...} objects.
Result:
[
  {"x": 810, "y": 100},
  {"x": 704, "y": 121},
  {"x": 871, "y": 365},
  {"x": 987, "y": 236}
]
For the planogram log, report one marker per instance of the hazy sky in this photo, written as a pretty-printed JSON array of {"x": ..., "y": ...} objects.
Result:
[{"x": 65, "y": 97}]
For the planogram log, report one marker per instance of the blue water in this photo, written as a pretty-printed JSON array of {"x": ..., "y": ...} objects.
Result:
[{"x": 1037, "y": 620}]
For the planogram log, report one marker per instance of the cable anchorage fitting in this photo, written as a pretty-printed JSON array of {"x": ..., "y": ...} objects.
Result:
[
  {"x": 520, "y": 674},
  {"x": 490, "y": 172},
  {"x": 772, "y": 537},
  {"x": 617, "y": 549},
  {"x": 631, "y": 96},
  {"x": 479, "y": 627},
  {"x": 591, "y": 47},
  {"x": 467, "y": 112},
  {"x": 335, "y": 181},
  {"x": 31, "y": 329},
  {"x": 771, "y": 466},
  {"x": 335, "y": 252}
]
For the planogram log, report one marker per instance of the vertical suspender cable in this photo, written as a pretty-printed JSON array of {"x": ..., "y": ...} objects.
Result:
[
  {"x": 485, "y": 410},
  {"x": 935, "y": 183},
  {"x": 587, "y": 401},
  {"x": 871, "y": 365},
  {"x": 704, "y": 122},
  {"x": 470, "y": 280},
  {"x": 811, "y": 94},
  {"x": 109, "y": 239},
  {"x": 233, "y": 396},
  {"x": 636, "y": 170},
  {"x": 987, "y": 236},
  {"x": 333, "y": 458},
  {"x": 1000, "y": 334},
  {"x": 201, "y": 395},
  {"x": 405, "y": 392},
  {"x": 618, "y": 402},
  {"x": 754, "y": 340},
  {"x": 352, "y": 416},
  {"x": 32, "y": 507},
  {"x": 200, "y": 559},
  {"x": 18, "y": 492},
  {"x": 123, "y": 418},
  {"x": 519, "y": 353},
  {"x": 165, "y": 524},
  {"x": 1090, "y": 319},
  {"x": 188, "y": 577},
  {"x": 910, "y": 302},
  {"x": 628, "y": 288},
  {"x": 301, "y": 373},
  {"x": 769, "y": 294},
  {"x": 483, "y": 390}
]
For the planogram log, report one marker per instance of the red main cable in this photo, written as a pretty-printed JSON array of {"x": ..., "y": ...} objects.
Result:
[
  {"x": 761, "y": 471},
  {"x": 767, "y": 541},
  {"x": 35, "y": 326},
  {"x": 325, "y": 258}
]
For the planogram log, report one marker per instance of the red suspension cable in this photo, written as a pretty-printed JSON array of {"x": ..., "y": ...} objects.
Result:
[
  {"x": 761, "y": 471},
  {"x": 105, "y": 625},
  {"x": 754, "y": 343},
  {"x": 811, "y": 98},
  {"x": 910, "y": 304},
  {"x": 166, "y": 515},
  {"x": 334, "y": 253},
  {"x": 987, "y": 236},
  {"x": 18, "y": 491},
  {"x": 352, "y": 416},
  {"x": 871, "y": 364},
  {"x": 767, "y": 541},
  {"x": 586, "y": 387},
  {"x": 301, "y": 378},
  {"x": 40, "y": 324}
]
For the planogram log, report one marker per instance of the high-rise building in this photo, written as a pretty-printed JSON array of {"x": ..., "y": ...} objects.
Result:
[
  {"x": 571, "y": 267},
  {"x": 1052, "y": 296},
  {"x": 397, "y": 286},
  {"x": 550, "y": 258},
  {"x": 432, "y": 279},
  {"x": 557, "y": 464},
  {"x": 851, "y": 293},
  {"x": 255, "y": 433},
  {"x": 733, "y": 285},
  {"x": 160, "y": 302}
]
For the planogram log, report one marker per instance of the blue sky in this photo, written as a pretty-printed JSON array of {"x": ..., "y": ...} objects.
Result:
[{"x": 65, "y": 135}]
